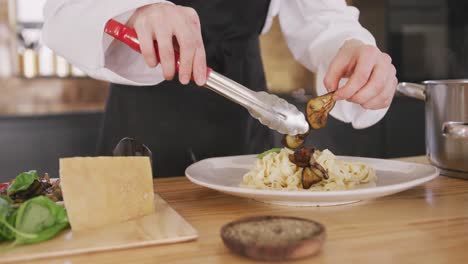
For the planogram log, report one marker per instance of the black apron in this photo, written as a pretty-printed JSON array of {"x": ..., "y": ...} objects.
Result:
[{"x": 182, "y": 124}]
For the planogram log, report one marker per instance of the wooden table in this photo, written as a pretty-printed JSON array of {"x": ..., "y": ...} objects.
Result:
[{"x": 427, "y": 224}]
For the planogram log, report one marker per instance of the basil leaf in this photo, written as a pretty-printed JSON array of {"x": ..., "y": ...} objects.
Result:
[
  {"x": 273, "y": 150},
  {"x": 6, "y": 232},
  {"x": 5, "y": 207},
  {"x": 22, "y": 182},
  {"x": 42, "y": 217},
  {"x": 5, "y": 211},
  {"x": 7, "y": 221}
]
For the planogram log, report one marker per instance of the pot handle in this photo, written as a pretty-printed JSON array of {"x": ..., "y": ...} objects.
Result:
[
  {"x": 455, "y": 130},
  {"x": 414, "y": 90}
]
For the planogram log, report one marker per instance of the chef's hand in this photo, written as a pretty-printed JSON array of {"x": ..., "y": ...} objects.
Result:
[
  {"x": 372, "y": 81},
  {"x": 164, "y": 22}
]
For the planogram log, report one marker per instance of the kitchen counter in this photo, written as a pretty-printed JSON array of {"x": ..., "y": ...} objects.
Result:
[{"x": 426, "y": 224}]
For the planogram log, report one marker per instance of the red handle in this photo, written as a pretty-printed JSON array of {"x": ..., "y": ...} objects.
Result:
[{"x": 129, "y": 36}]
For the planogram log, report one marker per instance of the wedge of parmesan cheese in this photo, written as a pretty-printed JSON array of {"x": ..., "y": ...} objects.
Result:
[{"x": 98, "y": 191}]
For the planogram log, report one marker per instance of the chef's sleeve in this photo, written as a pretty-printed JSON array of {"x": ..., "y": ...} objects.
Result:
[
  {"x": 75, "y": 31},
  {"x": 315, "y": 31}
]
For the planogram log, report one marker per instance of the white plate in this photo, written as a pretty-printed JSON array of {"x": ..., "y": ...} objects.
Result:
[{"x": 225, "y": 174}]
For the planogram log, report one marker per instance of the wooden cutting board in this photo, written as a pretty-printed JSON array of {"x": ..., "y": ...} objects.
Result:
[{"x": 163, "y": 227}]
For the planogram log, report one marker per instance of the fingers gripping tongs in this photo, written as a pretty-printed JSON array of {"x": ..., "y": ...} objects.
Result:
[{"x": 272, "y": 111}]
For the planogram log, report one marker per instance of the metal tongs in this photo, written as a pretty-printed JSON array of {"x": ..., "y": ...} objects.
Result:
[{"x": 272, "y": 111}]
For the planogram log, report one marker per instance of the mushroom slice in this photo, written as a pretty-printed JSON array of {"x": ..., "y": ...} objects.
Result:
[
  {"x": 294, "y": 142},
  {"x": 309, "y": 178},
  {"x": 313, "y": 174},
  {"x": 301, "y": 156},
  {"x": 318, "y": 109},
  {"x": 319, "y": 170}
]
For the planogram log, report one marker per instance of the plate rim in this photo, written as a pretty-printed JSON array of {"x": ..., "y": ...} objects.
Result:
[{"x": 365, "y": 191}]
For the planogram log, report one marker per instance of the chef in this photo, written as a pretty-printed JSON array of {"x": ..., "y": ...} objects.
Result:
[{"x": 178, "y": 120}]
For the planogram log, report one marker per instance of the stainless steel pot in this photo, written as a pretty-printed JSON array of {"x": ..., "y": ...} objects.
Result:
[{"x": 446, "y": 123}]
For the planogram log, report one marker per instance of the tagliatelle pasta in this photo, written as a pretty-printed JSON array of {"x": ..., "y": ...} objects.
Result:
[{"x": 276, "y": 172}]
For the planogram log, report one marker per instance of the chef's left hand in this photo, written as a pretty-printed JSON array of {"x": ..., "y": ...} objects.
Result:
[{"x": 372, "y": 81}]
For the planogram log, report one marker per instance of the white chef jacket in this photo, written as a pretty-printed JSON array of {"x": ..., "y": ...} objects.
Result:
[{"x": 314, "y": 31}]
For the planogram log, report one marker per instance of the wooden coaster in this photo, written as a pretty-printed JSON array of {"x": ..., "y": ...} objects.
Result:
[{"x": 274, "y": 238}]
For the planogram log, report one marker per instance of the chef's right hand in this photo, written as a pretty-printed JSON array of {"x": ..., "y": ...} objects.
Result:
[{"x": 162, "y": 22}]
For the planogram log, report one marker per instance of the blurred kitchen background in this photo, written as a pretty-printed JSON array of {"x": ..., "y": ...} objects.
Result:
[{"x": 50, "y": 109}]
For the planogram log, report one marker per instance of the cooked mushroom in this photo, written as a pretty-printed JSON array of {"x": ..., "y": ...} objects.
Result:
[
  {"x": 47, "y": 177},
  {"x": 313, "y": 174},
  {"x": 309, "y": 178},
  {"x": 54, "y": 192},
  {"x": 312, "y": 160},
  {"x": 301, "y": 156},
  {"x": 35, "y": 189},
  {"x": 294, "y": 142},
  {"x": 318, "y": 109},
  {"x": 319, "y": 170}
]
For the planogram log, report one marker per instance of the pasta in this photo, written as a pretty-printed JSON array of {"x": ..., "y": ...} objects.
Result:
[{"x": 276, "y": 172}]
